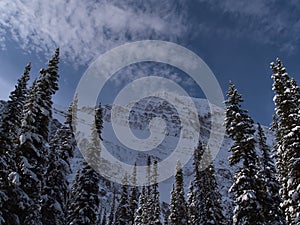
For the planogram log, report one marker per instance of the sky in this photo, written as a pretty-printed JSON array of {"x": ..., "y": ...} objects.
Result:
[{"x": 236, "y": 39}]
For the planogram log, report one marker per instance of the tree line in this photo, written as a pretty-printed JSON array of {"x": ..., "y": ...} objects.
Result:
[{"x": 35, "y": 165}]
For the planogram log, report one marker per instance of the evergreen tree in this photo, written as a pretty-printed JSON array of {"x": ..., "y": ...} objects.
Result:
[
  {"x": 207, "y": 199},
  {"x": 33, "y": 148},
  {"x": 123, "y": 210},
  {"x": 248, "y": 187},
  {"x": 179, "y": 212},
  {"x": 56, "y": 190},
  {"x": 112, "y": 210},
  {"x": 83, "y": 206},
  {"x": 166, "y": 219},
  {"x": 141, "y": 216},
  {"x": 71, "y": 114},
  {"x": 134, "y": 196},
  {"x": 287, "y": 102},
  {"x": 192, "y": 209},
  {"x": 9, "y": 132},
  {"x": 103, "y": 222},
  {"x": 273, "y": 213},
  {"x": 155, "y": 208}
]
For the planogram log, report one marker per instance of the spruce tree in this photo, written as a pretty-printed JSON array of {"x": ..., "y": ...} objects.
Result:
[
  {"x": 248, "y": 187},
  {"x": 33, "y": 148},
  {"x": 287, "y": 102},
  {"x": 71, "y": 114},
  {"x": 56, "y": 190},
  {"x": 273, "y": 213},
  {"x": 179, "y": 212},
  {"x": 141, "y": 216},
  {"x": 155, "y": 208},
  {"x": 192, "y": 209},
  {"x": 134, "y": 196},
  {"x": 207, "y": 199},
  {"x": 103, "y": 221},
  {"x": 112, "y": 210},
  {"x": 123, "y": 209},
  {"x": 84, "y": 203},
  {"x": 9, "y": 132}
]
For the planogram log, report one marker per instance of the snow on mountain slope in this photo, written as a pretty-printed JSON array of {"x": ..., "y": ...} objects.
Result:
[{"x": 140, "y": 115}]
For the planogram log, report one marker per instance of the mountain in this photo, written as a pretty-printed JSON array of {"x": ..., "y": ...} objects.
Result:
[{"x": 140, "y": 116}]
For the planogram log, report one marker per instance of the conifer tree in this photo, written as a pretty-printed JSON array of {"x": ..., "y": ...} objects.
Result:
[
  {"x": 33, "y": 148},
  {"x": 103, "y": 221},
  {"x": 248, "y": 187},
  {"x": 287, "y": 102},
  {"x": 141, "y": 216},
  {"x": 155, "y": 217},
  {"x": 273, "y": 211},
  {"x": 134, "y": 196},
  {"x": 207, "y": 199},
  {"x": 123, "y": 209},
  {"x": 178, "y": 208},
  {"x": 83, "y": 206},
  {"x": 192, "y": 209},
  {"x": 9, "y": 132},
  {"x": 71, "y": 114},
  {"x": 56, "y": 190},
  {"x": 112, "y": 210}
]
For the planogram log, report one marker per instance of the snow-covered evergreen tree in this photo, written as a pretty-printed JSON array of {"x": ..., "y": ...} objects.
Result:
[
  {"x": 56, "y": 190},
  {"x": 178, "y": 208},
  {"x": 155, "y": 208},
  {"x": 112, "y": 210},
  {"x": 274, "y": 214},
  {"x": 71, "y": 114},
  {"x": 248, "y": 187},
  {"x": 33, "y": 147},
  {"x": 103, "y": 221},
  {"x": 206, "y": 198},
  {"x": 84, "y": 203},
  {"x": 134, "y": 196},
  {"x": 141, "y": 216},
  {"x": 192, "y": 210},
  {"x": 287, "y": 102},
  {"x": 123, "y": 209},
  {"x": 10, "y": 192}
]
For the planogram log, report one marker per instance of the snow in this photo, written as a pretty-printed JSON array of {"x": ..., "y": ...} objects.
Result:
[
  {"x": 14, "y": 178},
  {"x": 224, "y": 173}
]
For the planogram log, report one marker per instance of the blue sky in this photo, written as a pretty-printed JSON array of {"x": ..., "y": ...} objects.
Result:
[{"x": 237, "y": 40}]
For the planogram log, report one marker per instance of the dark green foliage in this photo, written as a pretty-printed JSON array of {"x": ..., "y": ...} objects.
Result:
[
  {"x": 274, "y": 214},
  {"x": 134, "y": 197},
  {"x": 178, "y": 208},
  {"x": 83, "y": 206},
  {"x": 10, "y": 192},
  {"x": 248, "y": 188},
  {"x": 205, "y": 200},
  {"x": 287, "y": 102},
  {"x": 56, "y": 191},
  {"x": 123, "y": 210}
]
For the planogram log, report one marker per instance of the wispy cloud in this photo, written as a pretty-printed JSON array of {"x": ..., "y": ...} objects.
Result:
[
  {"x": 85, "y": 29},
  {"x": 272, "y": 22}
]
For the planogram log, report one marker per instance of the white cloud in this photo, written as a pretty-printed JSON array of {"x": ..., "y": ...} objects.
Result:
[{"x": 85, "y": 29}]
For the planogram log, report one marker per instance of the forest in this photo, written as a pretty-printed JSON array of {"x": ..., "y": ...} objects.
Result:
[{"x": 35, "y": 166}]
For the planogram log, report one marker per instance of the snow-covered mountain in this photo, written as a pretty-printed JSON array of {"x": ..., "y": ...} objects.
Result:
[{"x": 141, "y": 114}]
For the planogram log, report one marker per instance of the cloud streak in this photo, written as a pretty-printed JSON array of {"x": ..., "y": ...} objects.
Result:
[
  {"x": 269, "y": 22},
  {"x": 85, "y": 29}
]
